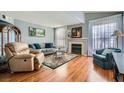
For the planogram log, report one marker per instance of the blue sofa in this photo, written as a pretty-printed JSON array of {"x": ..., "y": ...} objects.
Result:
[
  {"x": 104, "y": 58},
  {"x": 48, "y": 48}
]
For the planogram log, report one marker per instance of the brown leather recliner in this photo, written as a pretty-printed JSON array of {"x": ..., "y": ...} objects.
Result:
[{"x": 21, "y": 58}]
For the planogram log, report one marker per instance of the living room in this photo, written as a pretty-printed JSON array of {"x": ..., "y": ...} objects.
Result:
[{"x": 62, "y": 46}]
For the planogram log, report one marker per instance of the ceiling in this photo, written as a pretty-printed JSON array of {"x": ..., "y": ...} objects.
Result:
[{"x": 48, "y": 18}]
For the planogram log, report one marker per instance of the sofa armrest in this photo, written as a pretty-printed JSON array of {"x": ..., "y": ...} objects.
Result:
[
  {"x": 99, "y": 51},
  {"x": 109, "y": 56}
]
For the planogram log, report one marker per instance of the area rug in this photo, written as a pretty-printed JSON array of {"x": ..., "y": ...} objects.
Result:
[{"x": 52, "y": 62}]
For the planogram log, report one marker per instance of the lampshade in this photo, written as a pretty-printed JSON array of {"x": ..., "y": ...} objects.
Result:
[{"x": 117, "y": 33}]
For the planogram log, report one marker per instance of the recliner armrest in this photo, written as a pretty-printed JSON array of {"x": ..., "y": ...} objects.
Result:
[
  {"x": 23, "y": 56},
  {"x": 36, "y": 51}
]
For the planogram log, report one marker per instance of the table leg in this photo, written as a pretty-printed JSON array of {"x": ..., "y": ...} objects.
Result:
[{"x": 123, "y": 77}]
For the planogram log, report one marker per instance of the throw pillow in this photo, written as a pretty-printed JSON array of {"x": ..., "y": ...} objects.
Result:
[
  {"x": 32, "y": 46},
  {"x": 106, "y": 51},
  {"x": 37, "y": 46},
  {"x": 48, "y": 45}
]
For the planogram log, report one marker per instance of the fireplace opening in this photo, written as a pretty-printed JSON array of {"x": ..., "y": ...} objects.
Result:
[{"x": 76, "y": 48}]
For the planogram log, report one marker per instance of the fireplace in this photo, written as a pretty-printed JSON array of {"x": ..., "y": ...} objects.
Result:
[{"x": 76, "y": 48}]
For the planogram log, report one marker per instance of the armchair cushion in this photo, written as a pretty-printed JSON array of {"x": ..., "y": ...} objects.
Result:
[
  {"x": 24, "y": 51},
  {"x": 16, "y": 46}
]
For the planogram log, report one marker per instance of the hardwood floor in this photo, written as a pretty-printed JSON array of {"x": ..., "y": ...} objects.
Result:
[{"x": 77, "y": 70}]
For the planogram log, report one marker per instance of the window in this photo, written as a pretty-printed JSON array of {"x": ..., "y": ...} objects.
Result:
[
  {"x": 12, "y": 36},
  {"x": 7, "y": 35},
  {"x": 5, "y": 40},
  {"x": 102, "y": 38},
  {"x": 100, "y": 31}
]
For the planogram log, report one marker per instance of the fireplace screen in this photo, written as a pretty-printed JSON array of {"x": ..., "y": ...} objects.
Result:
[{"x": 76, "y": 48}]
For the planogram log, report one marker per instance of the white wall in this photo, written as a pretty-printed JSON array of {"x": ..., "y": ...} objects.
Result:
[
  {"x": 24, "y": 27},
  {"x": 69, "y": 28}
]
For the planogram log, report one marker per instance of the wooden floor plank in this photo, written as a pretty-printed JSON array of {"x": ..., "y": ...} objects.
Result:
[{"x": 80, "y": 69}]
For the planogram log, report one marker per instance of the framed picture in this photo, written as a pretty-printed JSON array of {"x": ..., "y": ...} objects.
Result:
[
  {"x": 36, "y": 32},
  {"x": 76, "y": 32}
]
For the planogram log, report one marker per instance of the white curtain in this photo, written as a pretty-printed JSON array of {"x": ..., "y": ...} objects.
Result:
[
  {"x": 61, "y": 37},
  {"x": 100, "y": 31}
]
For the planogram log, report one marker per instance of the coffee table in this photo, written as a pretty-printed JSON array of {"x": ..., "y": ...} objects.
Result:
[{"x": 59, "y": 54}]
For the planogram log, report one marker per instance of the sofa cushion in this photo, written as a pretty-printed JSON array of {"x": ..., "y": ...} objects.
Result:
[
  {"x": 106, "y": 51},
  {"x": 37, "y": 46}
]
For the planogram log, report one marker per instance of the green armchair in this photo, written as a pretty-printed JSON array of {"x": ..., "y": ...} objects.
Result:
[{"x": 104, "y": 58}]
